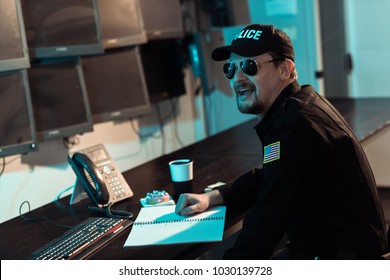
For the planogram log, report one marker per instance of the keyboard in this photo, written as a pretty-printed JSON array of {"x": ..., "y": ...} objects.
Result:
[{"x": 83, "y": 239}]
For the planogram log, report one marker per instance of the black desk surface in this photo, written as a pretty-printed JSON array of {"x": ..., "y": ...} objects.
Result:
[
  {"x": 222, "y": 157},
  {"x": 19, "y": 238}
]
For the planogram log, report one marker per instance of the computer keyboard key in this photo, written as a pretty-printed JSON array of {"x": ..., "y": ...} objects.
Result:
[{"x": 83, "y": 239}]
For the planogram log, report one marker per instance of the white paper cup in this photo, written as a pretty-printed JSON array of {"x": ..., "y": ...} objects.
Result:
[{"x": 181, "y": 174}]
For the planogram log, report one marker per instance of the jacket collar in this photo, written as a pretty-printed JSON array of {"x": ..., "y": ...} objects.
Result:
[{"x": 265, "y": 123}]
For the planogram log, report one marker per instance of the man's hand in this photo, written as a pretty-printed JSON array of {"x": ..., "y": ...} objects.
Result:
[{"x": 190, "y": 203}]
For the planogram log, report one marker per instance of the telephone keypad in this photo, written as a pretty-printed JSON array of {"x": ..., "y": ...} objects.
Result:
[{"x": 113, "y": 182}]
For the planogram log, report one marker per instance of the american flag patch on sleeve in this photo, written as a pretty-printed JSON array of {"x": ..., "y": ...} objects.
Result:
[{"x": 271, "y": 152}]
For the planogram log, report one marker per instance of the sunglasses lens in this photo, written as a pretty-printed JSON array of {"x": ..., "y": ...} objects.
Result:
[
  {"x": 249, "y": 67},
  {"x": 229, "y": 69}
]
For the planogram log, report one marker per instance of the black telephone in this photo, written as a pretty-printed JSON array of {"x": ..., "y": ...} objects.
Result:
[{"x": 100, "y": 178}]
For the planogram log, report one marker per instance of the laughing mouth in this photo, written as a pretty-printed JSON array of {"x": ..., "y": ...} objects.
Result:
[{"x": 244, "y": 92}]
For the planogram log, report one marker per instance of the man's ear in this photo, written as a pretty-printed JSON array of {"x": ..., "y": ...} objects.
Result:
[{"x": 286, "y": 68}]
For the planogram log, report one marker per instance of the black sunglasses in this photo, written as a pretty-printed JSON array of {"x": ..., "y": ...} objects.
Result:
[{"x": 248, "y": 66}]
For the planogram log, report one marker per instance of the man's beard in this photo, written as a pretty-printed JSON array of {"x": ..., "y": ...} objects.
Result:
[
  {"x": 246, "y": 98},
  {"x": 249, "y": 108}
]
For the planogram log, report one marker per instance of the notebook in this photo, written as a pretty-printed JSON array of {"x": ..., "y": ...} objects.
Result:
[{"x": 162, "y": 226}]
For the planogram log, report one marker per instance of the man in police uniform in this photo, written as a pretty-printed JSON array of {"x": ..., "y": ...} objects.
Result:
[{"x": 315, "y": 185}]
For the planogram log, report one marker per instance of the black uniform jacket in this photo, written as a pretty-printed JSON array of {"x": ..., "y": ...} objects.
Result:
[{"x": 315, "y": 185}]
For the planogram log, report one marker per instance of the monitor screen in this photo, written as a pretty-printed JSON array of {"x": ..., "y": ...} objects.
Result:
[
  {"x": 116, "y": 85},
  {"x": 13, "y": 46},
  {"x": 121, "y": 23},
  {"x": 163, "y": 67},
  {"x": 59, "y": 98},
  {"x": 62, "y": 27},
  {"x": 17, "y": 127},
  {"x": 162, "y": 19}
]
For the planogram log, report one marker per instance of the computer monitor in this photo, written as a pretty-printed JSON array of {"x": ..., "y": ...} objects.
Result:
[
  {"x": 116, "y": 85},
  {"x": 163, "y": 64},
  {"x": 17, "y": 128},
  {"x": 62, "y": 27},
  {"x": 13, "y": 45},
  {"x": 59, "y": 98},
  {"x": 121, "y": 23},
  {"x": 162, "y": 19}
]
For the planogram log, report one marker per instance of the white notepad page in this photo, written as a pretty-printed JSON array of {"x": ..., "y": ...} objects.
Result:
[{"x": 161, "y": 225}]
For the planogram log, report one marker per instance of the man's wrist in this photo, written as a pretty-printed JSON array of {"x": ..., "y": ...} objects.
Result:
[{"x": 215, "y": 198}]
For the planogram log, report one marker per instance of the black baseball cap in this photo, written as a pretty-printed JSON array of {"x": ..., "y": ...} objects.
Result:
[{"x": 256, "y": 39}]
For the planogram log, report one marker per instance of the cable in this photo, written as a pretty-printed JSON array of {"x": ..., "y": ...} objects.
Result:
[
  {"x": 161, "y": 122},
  {"x": 61, "y": 193},
  {"x": 3, "y": 167},
  {"x": 208, "y": 114},
  {"x": 8, "y": 163},
  {"x": 71, "y": 141},
  {"x": 199, "y": 87},
  {"x": 140, "y": 135},
  {"x": 119, "y": 214},
  {"x": 38, "y": 218},
  {"x": 176, "y": 132}
]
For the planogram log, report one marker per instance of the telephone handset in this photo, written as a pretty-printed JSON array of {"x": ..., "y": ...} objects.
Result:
[
  {"x": 100, "y": 178},
  {"x": 94, "y": 185}
]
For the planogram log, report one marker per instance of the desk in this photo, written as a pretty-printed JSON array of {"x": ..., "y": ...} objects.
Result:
[
  {"x": 19, "y": 238},
  {"x": 364, "y": 115},
  {"x": 222, "y": 157}
]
